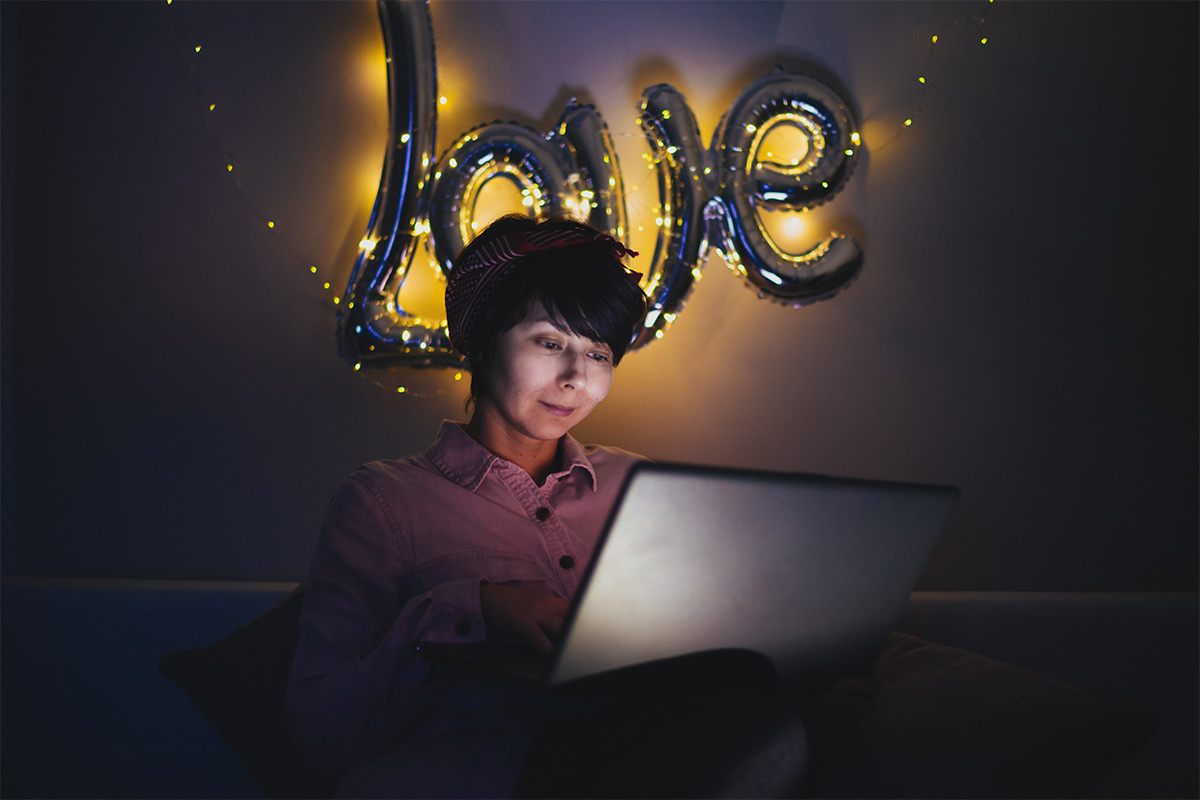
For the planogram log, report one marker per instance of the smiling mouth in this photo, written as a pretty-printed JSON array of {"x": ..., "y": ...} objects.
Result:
[{"x": 559, "y": 411}]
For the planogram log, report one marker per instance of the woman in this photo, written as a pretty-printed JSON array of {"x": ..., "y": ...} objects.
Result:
[{"x": 483, "y": 536}]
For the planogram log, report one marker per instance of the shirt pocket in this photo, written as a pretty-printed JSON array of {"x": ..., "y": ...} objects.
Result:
[{"x": 493, "y": 566}]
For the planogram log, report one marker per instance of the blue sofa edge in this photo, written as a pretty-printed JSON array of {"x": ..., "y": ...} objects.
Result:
[{"x": 84, "y": 711}]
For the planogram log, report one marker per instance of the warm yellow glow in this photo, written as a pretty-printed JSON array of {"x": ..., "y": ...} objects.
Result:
[
  {"x": 788, "y": 229},
  {"x": 313, "y": 270},
  {"x": 327, "y": 284},
  {"x": 404, "y": 138},
  {"x": 854, "y": 137},
  {"x": 270, "y": 224},
  {"x": 907, "y": 122},
  {"x": 197, "y": 48},
  {"x": 367, "y": 244},
  {"x": 784, "y": 145},
  {"x": 983, "y": 40},
  {"x": 502, "y": 194},
  {"x": 934, "y": 40},
  {"x": 921, "y": 79},
  {"x": 212, "y": 106},
  {"x": 797, "y": 139},
  {"x": 230, "y": 167},
  {"x": 458, "y": 376},
  {"x": 442, "y": 100}
]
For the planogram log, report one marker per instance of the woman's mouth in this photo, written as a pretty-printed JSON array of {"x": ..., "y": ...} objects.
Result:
[{"x": 559, "y": 411}]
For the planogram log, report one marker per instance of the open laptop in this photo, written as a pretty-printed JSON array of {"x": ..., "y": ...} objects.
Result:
[{"x": 809, "y": 571}]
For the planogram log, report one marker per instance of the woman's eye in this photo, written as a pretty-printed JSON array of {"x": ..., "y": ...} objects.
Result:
[
  {"x": 549, "y": 345},
  {"x": 600, "y": 358}
]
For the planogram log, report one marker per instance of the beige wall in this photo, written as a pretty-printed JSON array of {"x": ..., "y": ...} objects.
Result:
[{"x": 1024, "y": 326}]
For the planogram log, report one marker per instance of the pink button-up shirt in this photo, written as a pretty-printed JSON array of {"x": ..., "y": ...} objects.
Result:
[{"x": 400, "y": 558}]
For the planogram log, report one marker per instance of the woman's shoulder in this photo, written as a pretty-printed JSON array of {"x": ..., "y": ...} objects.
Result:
[
  {"x": 413, "y": 468},
  {"x": 608, "y": 453}
]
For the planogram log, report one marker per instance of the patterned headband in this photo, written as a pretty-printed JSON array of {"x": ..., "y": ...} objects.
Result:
[{"x": 474, "y": 279}]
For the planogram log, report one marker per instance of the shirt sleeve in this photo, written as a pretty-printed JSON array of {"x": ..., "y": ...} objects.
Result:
[{"x": 354, "y": 676}]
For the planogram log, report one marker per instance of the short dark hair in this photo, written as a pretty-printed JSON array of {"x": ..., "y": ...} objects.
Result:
[{"x": 583, "y": 288}]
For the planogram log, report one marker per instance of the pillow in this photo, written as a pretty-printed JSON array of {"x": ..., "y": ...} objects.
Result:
[
  {"x": 239, "y": 684},
  {"x": 936, "y": 721}
]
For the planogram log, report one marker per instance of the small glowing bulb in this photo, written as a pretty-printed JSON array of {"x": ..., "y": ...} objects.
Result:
[
  {"x": 336, "y": 300},
  {"x": 400, "y": 389},
  {"x": 934, "y": 39},
  {"x": 854, "y": 137},
  {"x": 358, "y": 366},
  {"x": 270, "y": 224},
  {"x": 442, "y": 100},
  {"x": 197, "y": 48},
  {"x": 751, "y": 128},
  {"x": 212, "y": 106},
  {"x": 849, "y": 152},
  {"x": 921, "y": 79},
  {"x": 367, "y": 244},
  {"x": 403, "y": 138},
  {"x": 229, "y": 167},
  {"x": 458, "y": 376},
  {"x": 327, "y": 284},
  {"x": 666, "y": 114},
  {"x": 907, "y": 122},
  {"x": 313, "y": 270},
  {"x": 983, "y": 40}
]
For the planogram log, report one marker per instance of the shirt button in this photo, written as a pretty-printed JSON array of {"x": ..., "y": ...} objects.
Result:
[
  {"x": 542, "y": 514},
  {"x": 462, "y": 627},
  {"x": 566, "y": 562}
]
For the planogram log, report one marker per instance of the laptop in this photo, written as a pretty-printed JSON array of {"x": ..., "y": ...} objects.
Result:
[{"x": 808, "y": 571}]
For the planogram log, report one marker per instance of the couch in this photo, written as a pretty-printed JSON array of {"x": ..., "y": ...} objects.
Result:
[{"x": 1075, "y": 694}]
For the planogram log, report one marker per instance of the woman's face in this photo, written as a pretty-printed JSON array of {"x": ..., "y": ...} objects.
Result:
[{"x": 541, "y": 380}]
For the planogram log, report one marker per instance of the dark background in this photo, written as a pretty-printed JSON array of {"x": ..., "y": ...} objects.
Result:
[{"x": 1025, "y": 327}]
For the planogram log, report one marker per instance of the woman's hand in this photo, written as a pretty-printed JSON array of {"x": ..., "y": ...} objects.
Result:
[{"x": 532, "y": 616}]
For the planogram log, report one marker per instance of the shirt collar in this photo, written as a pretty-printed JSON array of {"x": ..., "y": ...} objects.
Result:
[{"x": 467, "y": 462}]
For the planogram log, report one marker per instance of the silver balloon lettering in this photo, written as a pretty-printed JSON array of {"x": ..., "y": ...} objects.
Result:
[
  {"x": 823, "y": 119},
  {"x": 707, "y": 197}
]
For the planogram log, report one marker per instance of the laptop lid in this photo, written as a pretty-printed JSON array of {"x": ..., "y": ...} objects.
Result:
[{"x": 810, "y": 571}]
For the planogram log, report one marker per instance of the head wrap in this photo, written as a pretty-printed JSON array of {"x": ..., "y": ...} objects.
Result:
[{"x": 474, "y": 279}]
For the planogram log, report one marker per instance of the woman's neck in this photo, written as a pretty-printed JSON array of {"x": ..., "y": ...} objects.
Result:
[{"x": 537, "y": 457}]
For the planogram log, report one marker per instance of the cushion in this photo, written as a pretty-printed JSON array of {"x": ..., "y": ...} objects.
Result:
[
  {"x": 239, "y": 685},
  {"x": 937, "y": 721}
]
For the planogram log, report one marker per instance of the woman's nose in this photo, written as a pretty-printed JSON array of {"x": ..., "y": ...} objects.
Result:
[{"x": 574, "y": 371}]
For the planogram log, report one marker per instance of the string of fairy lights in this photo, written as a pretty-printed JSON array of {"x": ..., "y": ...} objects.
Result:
[{"x": 971, "y": 25}]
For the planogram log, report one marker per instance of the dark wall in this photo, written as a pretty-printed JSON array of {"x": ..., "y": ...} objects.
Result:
[{"x": 1025, "y": 326}]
